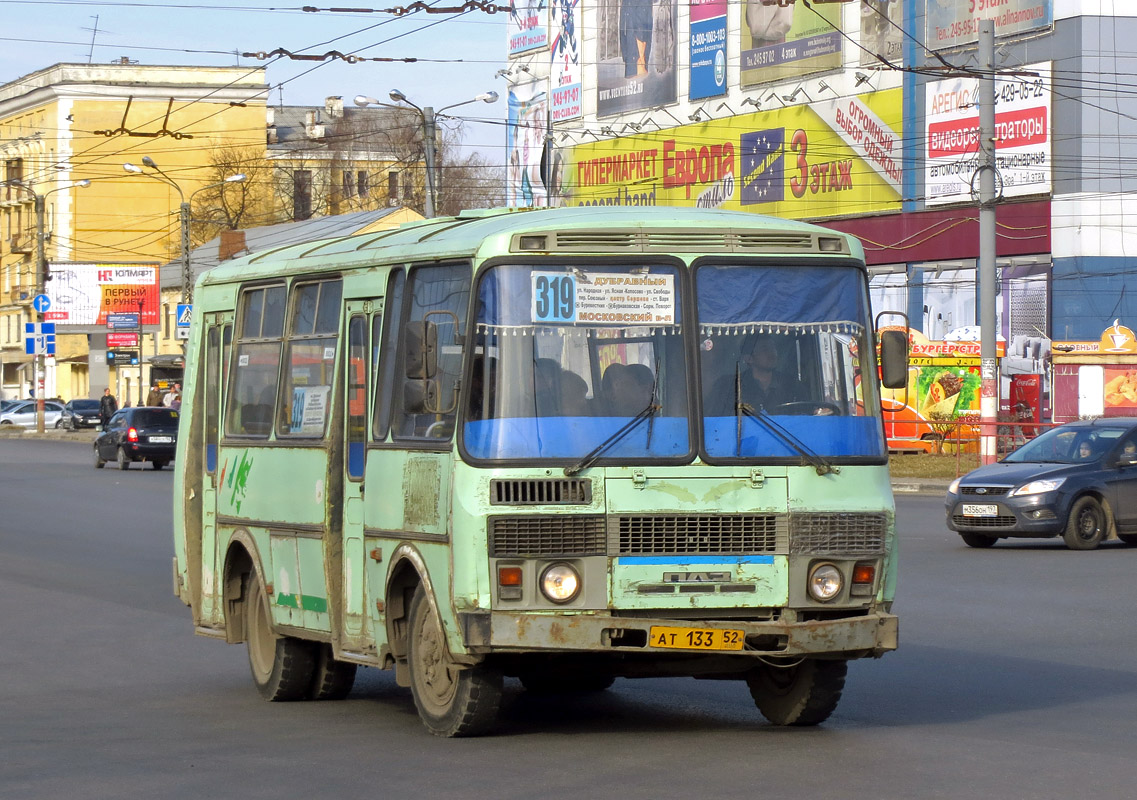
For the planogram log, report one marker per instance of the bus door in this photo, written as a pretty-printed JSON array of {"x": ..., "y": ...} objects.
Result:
[
  {"x": 218, "y": 336},
  {"x": 362, "y": 316}
]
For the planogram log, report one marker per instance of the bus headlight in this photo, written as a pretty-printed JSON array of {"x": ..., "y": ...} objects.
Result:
[
  {"x": 825, "y": 582},
  {"x": 560, "y": 583}
]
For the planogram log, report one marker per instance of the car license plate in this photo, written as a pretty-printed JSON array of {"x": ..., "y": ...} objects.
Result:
[
  {"x": 161, "y": 439},
  {"x": 980, "y": 510},
  {"x": 696, "y": 638}
]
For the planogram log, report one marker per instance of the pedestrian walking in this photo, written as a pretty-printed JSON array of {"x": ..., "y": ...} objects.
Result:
[
  {"x": 107, "y": 406},
  {"x": 154, "y": 398}
]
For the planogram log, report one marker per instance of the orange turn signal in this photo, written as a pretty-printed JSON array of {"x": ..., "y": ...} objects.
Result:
[
  {"x": 864, "y": 573},
  {"x": 509, "y": 576}
]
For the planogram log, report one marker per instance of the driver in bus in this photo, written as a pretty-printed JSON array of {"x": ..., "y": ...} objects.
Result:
[{"x": 763, "y": 385}]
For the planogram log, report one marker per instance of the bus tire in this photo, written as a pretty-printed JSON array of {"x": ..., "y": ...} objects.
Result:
[
  {"x": 801, "y": 695},
  {"x": 452, "y": 699},
  {"x": 1085, "y": 524},
  {"x": 282, "y": 666},
  {"x": 332, "y": 679}
]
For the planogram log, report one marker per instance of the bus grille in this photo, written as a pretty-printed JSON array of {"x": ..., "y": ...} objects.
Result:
[
  {"x": 710, "y": 534},
  {"x": 547, "y": 535},
  {"x": 838, "y": 534},
  {"x": 564, "y": 491}
]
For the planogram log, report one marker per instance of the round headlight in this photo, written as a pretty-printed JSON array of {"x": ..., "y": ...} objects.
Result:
[
  {"x": 560, "y": 583},
  {"x": 825, "y": 582}
]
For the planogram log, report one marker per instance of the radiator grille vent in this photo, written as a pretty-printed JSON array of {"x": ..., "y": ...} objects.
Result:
[
  {"x": 575, "y": 535},
  {"x": 738, "y": 534},
  {"x": 990, "y": 491},
  {"x": 661, "y": 241},
  {"x": 571, "y": 491},
  {"x": 838, "y": 534}
]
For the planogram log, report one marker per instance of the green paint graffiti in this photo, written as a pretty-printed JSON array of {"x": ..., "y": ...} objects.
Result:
[{"x": 238, "y": 479}]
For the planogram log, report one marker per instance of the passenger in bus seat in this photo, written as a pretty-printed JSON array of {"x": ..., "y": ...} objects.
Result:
[{"x": 574, "y": 395}]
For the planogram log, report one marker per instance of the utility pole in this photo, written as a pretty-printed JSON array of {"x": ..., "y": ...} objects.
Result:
[
  {"x": 187, "y": 273},
  {"x": 988, "y": 289},
  {"x": 41, "y": 281},
  {"x": 428, "y": 156}
]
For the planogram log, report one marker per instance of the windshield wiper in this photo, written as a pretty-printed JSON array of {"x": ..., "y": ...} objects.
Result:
[
  {"x": 822, "y": 466},
  {"x": 648, "y": 413}
]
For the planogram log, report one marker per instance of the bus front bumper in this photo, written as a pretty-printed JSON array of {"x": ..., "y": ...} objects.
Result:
[{"x": 851, "y": 637}]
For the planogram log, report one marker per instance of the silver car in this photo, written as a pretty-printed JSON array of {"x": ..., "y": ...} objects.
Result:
[{"x": 23, "y": 414}]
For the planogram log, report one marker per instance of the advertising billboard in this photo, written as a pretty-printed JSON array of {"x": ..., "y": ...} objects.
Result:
[
  {"x": 565, "y": 101},
  {"x": 882, "y": 32},
  {"x": 85, "y": 293},
  {"x": 784, "y": 41},
  {"x": 707, "y": 49},
  {"x": 952, "y": 23},
  {"x": 637, "y": 46},
  {"x": 527, "y": 27},
  {"x": 832, "y": 158},
  {"x": 1022, "y": 136},
  {"x": 525, "y": 146}
]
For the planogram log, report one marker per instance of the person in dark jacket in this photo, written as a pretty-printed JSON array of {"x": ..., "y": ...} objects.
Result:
[
  {"x": 107, "y": 406},
  {"x": 154, "y": 398}
]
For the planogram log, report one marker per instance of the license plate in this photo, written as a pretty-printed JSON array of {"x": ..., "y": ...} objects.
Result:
[
  {"x": 980, "y": 510},
  {"x": 696, "y": 638},
  {"x": 161, "y": 439}
]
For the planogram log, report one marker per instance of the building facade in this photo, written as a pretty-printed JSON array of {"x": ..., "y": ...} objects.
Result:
[{"x": 862, "y": 116}]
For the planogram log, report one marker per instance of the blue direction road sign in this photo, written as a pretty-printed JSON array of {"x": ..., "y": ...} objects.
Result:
[
  {"x": 39, "y": 338},
  {"x": 42, "y": 303},
  {"x": 185, "y": 314},
  {"x": 116, "y": 321}
]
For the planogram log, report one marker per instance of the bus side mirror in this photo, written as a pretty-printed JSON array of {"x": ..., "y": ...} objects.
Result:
[
  {"x": 893, "y": 359},
  {"x": 420, "y": 396},
  {"x": 422, "y": 349}
]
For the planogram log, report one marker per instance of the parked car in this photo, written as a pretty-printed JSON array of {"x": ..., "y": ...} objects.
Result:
[
  {"x": 1077, "y": 481},
  {"x": 81, "y": 413},
  {"x": 142, "y": 433},
  {"x": 23, "y": 413}
]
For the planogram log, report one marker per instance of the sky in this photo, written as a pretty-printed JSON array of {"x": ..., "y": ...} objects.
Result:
[{"x": 467, "y": 49}]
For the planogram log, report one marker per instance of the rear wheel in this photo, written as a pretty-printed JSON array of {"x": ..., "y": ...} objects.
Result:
[
  {"x": 158, "y": 463},
  {"x": 283, "y": 667},
  {"x": 1085, "y": 527},
  {"x": 801, "y": 695},
  {"x": 123, "y": 459},
  {"x": 452, "y": 699},
  {"x": 99, "y": 460},
  {"x": 332, "y": 679},
  {"x": 978, "y": 540}
]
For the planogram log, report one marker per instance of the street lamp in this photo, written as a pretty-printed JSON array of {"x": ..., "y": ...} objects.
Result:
[
  {"x": 183, "y": 215},
  {"x": 40, "y": 202},
  {"x": 427, "y": 114}
]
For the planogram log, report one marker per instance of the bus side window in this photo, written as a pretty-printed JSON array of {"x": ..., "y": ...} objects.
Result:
[
  {"x": 252, "y": 395},
  {"x": 385, "y": 374},
  {"x": 212, "y": 390},
  {"x": 427, "y": 404},
  {"x": 310, "y": 352}
]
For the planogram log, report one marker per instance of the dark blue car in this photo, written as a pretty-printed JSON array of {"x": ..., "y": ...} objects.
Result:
[{"x": 1077, "y": 481}]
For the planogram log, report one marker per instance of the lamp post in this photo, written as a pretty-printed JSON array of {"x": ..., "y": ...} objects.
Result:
[
  {"x": 183, "y": 216},
  {"x": 429, "y": 133},
  {"x": 40, "y": 204}
]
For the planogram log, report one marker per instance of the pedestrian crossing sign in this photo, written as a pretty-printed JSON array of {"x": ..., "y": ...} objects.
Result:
[{"x": 185, "y": 314}]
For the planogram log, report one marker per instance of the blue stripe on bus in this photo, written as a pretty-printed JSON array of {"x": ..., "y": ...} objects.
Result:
[{"x": 682, "y": 561}]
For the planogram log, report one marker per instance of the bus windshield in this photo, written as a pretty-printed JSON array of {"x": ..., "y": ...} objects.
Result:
[
  {"x": 573, "y": 359},
  {"x": 781, "y": 375}
]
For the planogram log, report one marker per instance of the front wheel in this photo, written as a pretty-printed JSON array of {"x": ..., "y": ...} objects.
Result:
[
  {"x": 1085, "y": 527},
  {"x": 283, "y": 667},
  {"x": 99, "y": 460},
  {"x": 801, "y": 695},
  {"x": 978, "y": 540},
  {"x": 452, "y": 699}
]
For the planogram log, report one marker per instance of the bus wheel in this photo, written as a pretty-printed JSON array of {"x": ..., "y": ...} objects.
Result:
[
  {"x": 805, "y": 694},
  {"x": 283, "y": 667},
  {"x": 333, "y": 679},
  {"x": 452, "y": 700}
]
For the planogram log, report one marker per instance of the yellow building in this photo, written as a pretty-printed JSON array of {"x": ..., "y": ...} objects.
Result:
[{"x": 72, "y": 123}]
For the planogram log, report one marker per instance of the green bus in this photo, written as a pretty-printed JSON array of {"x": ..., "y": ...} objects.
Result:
[{"x": 560, "y": 445}]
